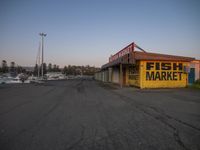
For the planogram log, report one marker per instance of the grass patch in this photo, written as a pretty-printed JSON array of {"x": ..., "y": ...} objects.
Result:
[{"x": 196, "y": 84}]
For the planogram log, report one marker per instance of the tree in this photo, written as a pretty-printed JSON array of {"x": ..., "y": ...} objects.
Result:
[
  {"x": 64, "y": 70},
  {"x": 12, "y": 69},
  {"x": 54, "y": 68},
  {"x": 4, "y": 66},
  {"x": 35, "y": 71},
  {"x": 57, "y": 69},
  {"x": 70, "y": 70},
  {"x": 12, "y": 66},
  {"x": 49, "y": 67},
  {"x": 20, "y": 69},
  {"x": 44, "y": 68}
]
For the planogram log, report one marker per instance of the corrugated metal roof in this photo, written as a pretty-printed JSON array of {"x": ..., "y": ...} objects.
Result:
[
  {"x": 137, "y": 55},
  {"x": 157, "y": 56}
]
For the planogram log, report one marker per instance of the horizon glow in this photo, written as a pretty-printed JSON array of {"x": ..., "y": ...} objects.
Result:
[{"x": 88, "y": 32}]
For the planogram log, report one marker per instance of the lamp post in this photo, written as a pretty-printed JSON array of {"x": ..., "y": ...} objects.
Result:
[{"x": 42, "y": 35}]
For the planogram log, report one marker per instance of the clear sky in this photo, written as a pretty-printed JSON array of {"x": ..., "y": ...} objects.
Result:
[{"x": 82, "y": 32}]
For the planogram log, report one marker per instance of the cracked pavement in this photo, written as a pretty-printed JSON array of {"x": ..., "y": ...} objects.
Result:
[{"x": 83, "y": 114}]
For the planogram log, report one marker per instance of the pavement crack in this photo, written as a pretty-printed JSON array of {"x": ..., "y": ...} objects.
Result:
[
  {"x": 175, "y": 130},
  {"x": 137, "y": 105},
  {"x": 178, "y": 139},
  {"x": 161, "y": 118},
  {"x": 175, "y": 119}
]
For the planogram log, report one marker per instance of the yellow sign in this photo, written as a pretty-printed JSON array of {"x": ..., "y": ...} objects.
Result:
[
  {"x": 162, "y": 74},
  {"x": 164, "y": 71}
]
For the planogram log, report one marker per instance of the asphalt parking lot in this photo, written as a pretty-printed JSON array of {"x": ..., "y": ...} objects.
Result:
[{"x": 84, "y": 114}]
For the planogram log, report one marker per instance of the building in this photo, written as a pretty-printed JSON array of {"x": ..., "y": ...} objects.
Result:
[
  {"x": 194, "y": 73},
  {"x": 130, "y": 67}
]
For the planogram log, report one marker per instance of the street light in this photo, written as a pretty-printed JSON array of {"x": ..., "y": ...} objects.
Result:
[{"x": 42, "y": 35}]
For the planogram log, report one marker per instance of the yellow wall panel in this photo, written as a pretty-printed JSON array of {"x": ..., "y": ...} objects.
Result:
[{"x": 163, "y": 74}]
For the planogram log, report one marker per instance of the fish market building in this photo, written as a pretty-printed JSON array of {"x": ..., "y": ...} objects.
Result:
[{"x": 130, "y": 67}]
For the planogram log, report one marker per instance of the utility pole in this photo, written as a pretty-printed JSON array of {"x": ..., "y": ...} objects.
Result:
[
  {"x": 39, "y": 60},
  {"x": 42, "y": 35}
]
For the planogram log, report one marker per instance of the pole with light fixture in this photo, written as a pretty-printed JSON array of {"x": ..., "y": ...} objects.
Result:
[{"x": 42, "y": 35}]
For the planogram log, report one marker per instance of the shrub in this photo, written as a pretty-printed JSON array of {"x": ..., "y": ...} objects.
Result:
[{"x": 197, "y": 82}]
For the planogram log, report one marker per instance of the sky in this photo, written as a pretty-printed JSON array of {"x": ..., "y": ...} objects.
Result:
[{"x": 87, "y": 32}]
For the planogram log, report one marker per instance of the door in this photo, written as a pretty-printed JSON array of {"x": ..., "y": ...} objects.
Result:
[{"x": 191, "y": 75}]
